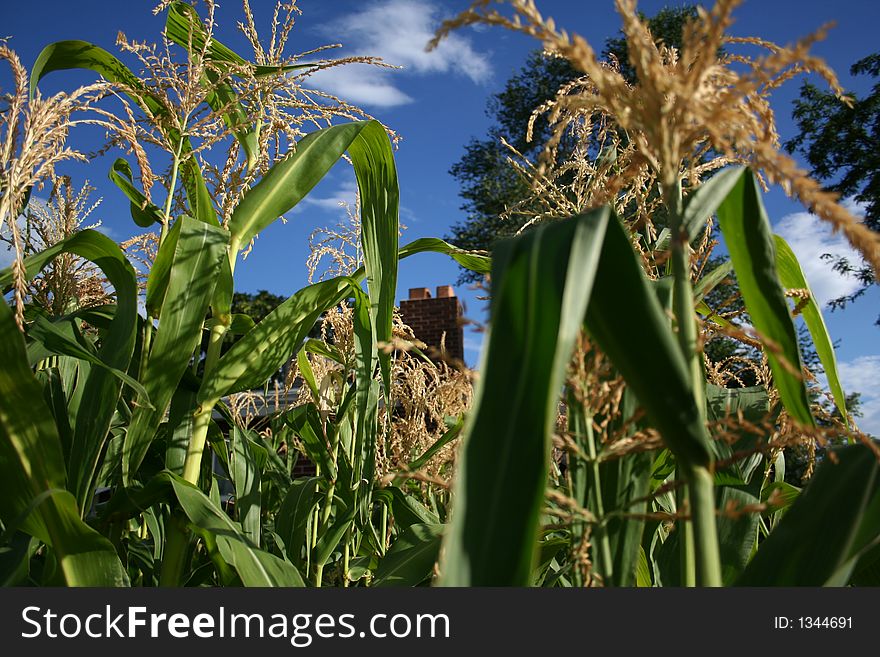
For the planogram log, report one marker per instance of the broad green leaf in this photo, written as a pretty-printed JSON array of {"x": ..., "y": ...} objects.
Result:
[
  {"x": 711, "y": 280},
  {"x": 144, "y": 213},
  {"x": 65, "y": 55},
  {"x": 98, "y": 388},
  {"x": 306, "y": 423},
  {"x": 32, "y": 470},
  {"x": 157, "y": 280},
  {"x": 266, "y": 347},
  {"x": 750, "y": 242},
  {"x": 541, "y": 285},
  {"x": 836, "y": 518},
  {"x": 291, "y": 179},
  {"x": 737, "y": 531},
  {"x": 406, "y": 509},
  {"x": 254, "y": 566},
  {"x": 706, "y": 200},
  {"x": 293, "y": 517},
  {"x": 411, "y": 559},
  {"x": 54, "y": 338},
  {"x": 376, "y": 175},
  {"x": 473, "y": 260},
  {"x": 246, "y": 477},
  {"x": 642, "y": 347},
  {"x": 329, "y": 540},
  {"x": 625, "y": 480},
  {"x": 198, "y": 254},
  {"x": 450, "y": 435},
  {"x": 792, "y": 276}
]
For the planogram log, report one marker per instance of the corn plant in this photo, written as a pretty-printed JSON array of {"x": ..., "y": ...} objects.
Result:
[
  {"x": 127, "y": 405},
  {"x": 705, "y": 509}
]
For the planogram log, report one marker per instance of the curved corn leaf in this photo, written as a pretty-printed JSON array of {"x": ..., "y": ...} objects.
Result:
[
  {"x": 792, "y": 276},
  {"x": 830, "y": 525},
  {"x": 293, "y": 518},
  {"x": 32, "y": 468},
  {"x": 65, "y": 55},
  {"x": 750, "y": 242},
  {"x": 144, "y": 213},
  {"x": 472, "y": 260},
  {"x": 377, "y": 183},
  {"x": 183, "y": 26},
  {"x": 712, "y": 280},
  {"x": 451, "y": 434},
  {"x": 288, "y": 182},
  {"x": 642, "y": 347},
  {"x": 254, "y": 566},
  {"x": 55, "y": 340},
  {"x": 157, "y": 280},
  {"x": 96, "y": 399},
  {"x": 199, "y": 251},
  {"x": 541, "y": 286},
  {"x": 411, "y": 559},
  {"x": 261, "y": 351},
  {"x": 246, "y": 477},
  {"x": 704, "y": 202}
]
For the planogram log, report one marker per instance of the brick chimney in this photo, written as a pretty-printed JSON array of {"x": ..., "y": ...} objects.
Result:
[{"x": 435, "y": 320}]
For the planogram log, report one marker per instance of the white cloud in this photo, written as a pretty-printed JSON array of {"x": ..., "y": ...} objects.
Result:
[
  {"x": 862, "y": 374},
  {"x": 397, "y": 31},
  {"x": 810, "y": 238},
  {"x": 346, "y": 192}
]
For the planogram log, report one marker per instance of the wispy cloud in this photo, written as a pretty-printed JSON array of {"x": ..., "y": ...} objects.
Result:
[
  {"x": 397, "y": 31},
  {"x": 862, "y": 374},
  {"x": 810, "y": 238},
  {"x": 345, "y": 192}
]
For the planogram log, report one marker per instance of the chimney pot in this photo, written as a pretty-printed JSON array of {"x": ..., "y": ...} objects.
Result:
[
  {"x": 419, "y": 293},
  {"x": 445, "y": 291}
]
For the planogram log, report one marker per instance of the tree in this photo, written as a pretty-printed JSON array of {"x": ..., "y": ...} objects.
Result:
[
  {"x": 489, "y": 185},
  {"x": 842, "y": 145}
]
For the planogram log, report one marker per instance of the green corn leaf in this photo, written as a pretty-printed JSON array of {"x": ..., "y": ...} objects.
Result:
[
  {"x": 750, "y": 242},
  {"x": 306, "y": 423},
  {"x": 254, "y": 566},
  {"x": 33, "y": 474},
  {"x": 291, "y": 179},
  {"x": 98, "y": 388},
  {"x": 144, "y": 213},
  {"x": 266, "y": 347},
  {"x": 246, "y": 477},
  {"x": 712, "y": 280},
  {"x": 157, "y": 280},
  {"x": 792, "y": 276},
  {"x": 329, "y": 540},
  {"x": 293, "y": 518},
  {"x": 376, "y": 175},
  {"x": 475, "y": 261},
  {"x": 199, "y": 252},
  {"x": 411, "y": 559},
  {"x": 406, "y": 509},
  {"x": 643, "y": 348},
  {"x": 834, "y": 520},
  {"x": 737, "y": 533},
  {"x": 541, "y": 286},
  {"x": 65, "y": 55},
  {"x": 450, "y": 435},
  {"x": 704, "y": 202},
  {"x": 56, "y": 340}
]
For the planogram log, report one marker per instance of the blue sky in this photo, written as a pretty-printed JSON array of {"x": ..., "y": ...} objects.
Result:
[{"x": 437, "y": 103}]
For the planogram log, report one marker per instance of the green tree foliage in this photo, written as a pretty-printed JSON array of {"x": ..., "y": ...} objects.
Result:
[
  {"x": 842, "y": 145},
  {"x": 489, "y": 185}
]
